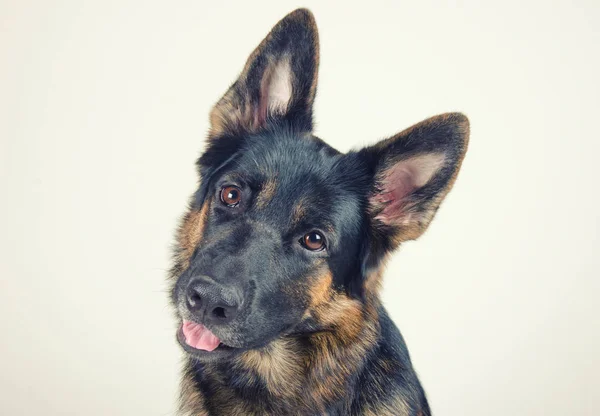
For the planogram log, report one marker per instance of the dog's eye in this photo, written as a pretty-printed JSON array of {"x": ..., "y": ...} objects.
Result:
[
  {"x": 231, "y": 195},
  {"x": 313, "y": 241}
]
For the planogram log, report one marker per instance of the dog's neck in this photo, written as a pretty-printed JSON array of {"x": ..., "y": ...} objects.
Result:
[{"x": 314, "y": 371}]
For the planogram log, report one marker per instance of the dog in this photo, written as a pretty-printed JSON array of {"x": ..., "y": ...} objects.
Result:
[{"x": 278, "y": 261}]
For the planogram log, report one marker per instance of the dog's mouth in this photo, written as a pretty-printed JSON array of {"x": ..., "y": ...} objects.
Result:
[
  {"x": 203, "y": 345},
  {"x": 199, "y": 341},
  {"x": 199, "y": 337}
]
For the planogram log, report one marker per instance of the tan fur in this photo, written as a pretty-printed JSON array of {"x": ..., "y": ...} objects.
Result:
[
  {"x": 191, "y": 401},
  {"x": 266, "y": 193},
  {"x": 395, "y": 407},
  {"x": 374, "y": 278},
  {"x": 280, "y": 365},
  {"x": 299, "y": 212},
  {"x": 335, "y": 358},
  {"x": 229, "y": 114},
  {"x": 190, "y": 233},
  {"x": 320, "y": 291},
  {"x": 351, "y": 328}
]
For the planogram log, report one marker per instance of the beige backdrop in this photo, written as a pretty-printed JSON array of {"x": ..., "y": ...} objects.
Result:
[{"x": 103, "y": 110}]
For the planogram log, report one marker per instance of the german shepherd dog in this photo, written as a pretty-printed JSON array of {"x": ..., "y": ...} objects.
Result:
[{"x": 278, "y": 262}]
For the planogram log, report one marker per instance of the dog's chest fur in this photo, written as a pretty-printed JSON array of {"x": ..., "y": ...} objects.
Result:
[{"x": 322, "y": 374}]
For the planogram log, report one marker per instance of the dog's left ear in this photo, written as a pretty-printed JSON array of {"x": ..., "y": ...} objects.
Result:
[
  {"x": 278, "y": 83},
  {"x": 413, "y": 171}
]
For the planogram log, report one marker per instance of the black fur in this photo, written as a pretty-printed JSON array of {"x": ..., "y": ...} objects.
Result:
[{"x": 313, "y": 317}]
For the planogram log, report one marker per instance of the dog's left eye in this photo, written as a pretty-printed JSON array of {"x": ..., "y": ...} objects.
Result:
[
  {"x": 313, "y": 241},
  {"x": 231, "y": 195}
]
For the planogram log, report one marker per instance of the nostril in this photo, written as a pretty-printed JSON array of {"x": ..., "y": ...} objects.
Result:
[
  {"x": 194, "y": 300},
  {"x": 223, "y": 313},
  {"x": 219, "y": 313}
]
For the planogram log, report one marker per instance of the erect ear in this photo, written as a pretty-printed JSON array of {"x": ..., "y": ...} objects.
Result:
[
  {"x": 278, "y": 83},
  {"x": 413, "y": 172}
]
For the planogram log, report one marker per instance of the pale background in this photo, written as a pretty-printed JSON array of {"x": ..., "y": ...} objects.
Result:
[{"x": 103, "y": 111}]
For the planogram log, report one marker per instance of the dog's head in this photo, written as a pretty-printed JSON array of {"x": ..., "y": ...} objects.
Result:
[{"x": 285, "y": 234}]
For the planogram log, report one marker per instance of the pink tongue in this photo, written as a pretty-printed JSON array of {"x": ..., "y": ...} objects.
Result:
[{"x": 199, "y": 337}]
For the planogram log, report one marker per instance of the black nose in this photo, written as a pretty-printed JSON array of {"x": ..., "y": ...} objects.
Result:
[{"x": 212, "y": 302}]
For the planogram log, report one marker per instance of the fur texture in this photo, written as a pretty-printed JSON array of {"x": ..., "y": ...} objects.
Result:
[{"x": 310, "y": 336}]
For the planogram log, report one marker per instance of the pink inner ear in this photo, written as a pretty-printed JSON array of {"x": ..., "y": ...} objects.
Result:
[
  {"x": 275, "y": 90},
  {"x": 400, "y": 181},
  {"x": 398, "y": 184}
]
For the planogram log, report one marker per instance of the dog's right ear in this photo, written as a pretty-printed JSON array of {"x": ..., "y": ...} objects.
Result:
[
  {"x": 413, "y": 172},
  {"x": 278, "y": 83}
]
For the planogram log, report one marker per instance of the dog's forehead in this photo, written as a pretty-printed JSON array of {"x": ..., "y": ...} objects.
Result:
[
  {"x": 292, "y": 162},
  {"x": 299, "y": 176}
]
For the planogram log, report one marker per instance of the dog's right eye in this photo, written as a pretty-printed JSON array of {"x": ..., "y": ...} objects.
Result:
[
  {"x": 231, "y": 195},
  {"x": 313, "y": 241}
]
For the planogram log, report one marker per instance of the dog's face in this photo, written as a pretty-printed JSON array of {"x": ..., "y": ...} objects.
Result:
[{"x": 285, "y": 235}]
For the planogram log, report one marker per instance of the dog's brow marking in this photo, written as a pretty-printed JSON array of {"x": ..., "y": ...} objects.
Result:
[
  {"x": 299, "y": 211},
  {"x": 266, "y": 193}
]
